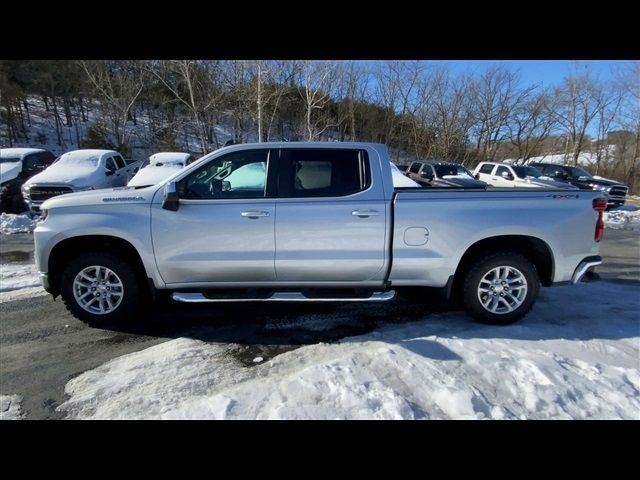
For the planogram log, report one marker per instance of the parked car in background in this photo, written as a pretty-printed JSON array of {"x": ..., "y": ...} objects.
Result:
[
  {"x": 581, "y": 178},
  {"x": 76, "y": 171},
  {"x": 516, "y": 176},
  {"x": 17, "y": 165},
  {"x": 434, "y": 173},
  {"x": 158, "y": 167}
]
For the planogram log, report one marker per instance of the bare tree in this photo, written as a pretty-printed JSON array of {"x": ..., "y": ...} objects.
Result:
[
  {"x": 579, "y": 100},
  {"x": 117, "y": 84},
  {"x": 194, "y": 84},
  {"x": 317, "y": 81},
  {"x": 530, "y": 123}
]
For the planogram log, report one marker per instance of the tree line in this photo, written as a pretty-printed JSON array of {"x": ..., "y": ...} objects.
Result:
[{"x": 419, "y": 109}]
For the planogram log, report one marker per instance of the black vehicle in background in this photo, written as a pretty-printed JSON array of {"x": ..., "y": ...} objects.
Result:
[
  {"x": 434, "y": 173},
  {"x": 616, "y": 191},
  {"x": 17, "y": 165}
]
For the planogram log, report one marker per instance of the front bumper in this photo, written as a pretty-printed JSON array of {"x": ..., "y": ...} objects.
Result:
[
  {"x": 584, "y": 266},
  {"x": 44, "y": 279}
]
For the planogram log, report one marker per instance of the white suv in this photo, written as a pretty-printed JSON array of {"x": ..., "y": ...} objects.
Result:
[{"x": 516, "y": 176}]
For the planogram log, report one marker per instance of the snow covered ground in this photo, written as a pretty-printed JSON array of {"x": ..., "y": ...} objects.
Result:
[
  {"x": 12, "y": 223},
  {"x": 562, "y": 361},
  {"x": 626, "y": 217},
  {"x": 10, "y": 407},
  {"x": 19, "y": 281}
]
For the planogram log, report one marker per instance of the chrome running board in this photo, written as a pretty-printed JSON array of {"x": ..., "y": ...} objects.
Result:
[{"x": 190, "y": 297}]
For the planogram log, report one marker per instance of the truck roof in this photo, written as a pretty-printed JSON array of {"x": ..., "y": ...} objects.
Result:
[
  {"x": 18, "y": 152},
  {"x": 241, "y": 146}
]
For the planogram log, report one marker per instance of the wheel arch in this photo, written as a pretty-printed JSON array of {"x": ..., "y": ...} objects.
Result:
[
  {"x": 68, "y": 248},
  {"x": 534, "y": 249}
]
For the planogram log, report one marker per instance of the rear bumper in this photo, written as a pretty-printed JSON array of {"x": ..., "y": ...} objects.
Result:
[{"x": 584, "y": 266}]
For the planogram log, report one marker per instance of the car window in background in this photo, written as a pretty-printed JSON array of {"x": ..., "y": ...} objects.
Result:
[
  {"x": 578, "y": 172},
  {"x": 502, "y": 170},
  {"x": 111, "y": 165},
  {"x": 415, "y": 166},
  {"x": 119, "y": 161},
  {"x": 452, "y": 171},
  {"x": 486, "y": 168},
  {"x": 524, "y": 172}
]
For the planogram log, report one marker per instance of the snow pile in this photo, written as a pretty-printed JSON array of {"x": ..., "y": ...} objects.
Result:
[
  {"x": 16, "y": 276},
  {"x": 561, "y": 361},
  {"x": 19, "y": 281},
  {"x": 10, "y": 407},
  {"x": 12, "y": 223},
  {"x": 623, "y": 218}
]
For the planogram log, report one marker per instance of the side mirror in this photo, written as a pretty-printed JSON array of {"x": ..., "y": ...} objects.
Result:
[
  {"x": 561, "y": 175},
  {"x": 507, "y": 176},
  {"x": 477, "y": 176},
  {"x": 108, "y": 173},
  {"x": 171, "y": 199}
]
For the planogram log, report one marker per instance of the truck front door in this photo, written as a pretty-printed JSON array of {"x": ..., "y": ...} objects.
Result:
[{"x": 223, "y": 230}]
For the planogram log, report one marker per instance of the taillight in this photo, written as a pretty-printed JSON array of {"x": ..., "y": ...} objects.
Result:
[{"x": 599, "y": 205}]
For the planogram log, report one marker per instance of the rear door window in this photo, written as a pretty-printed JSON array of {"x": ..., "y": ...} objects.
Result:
[
  {"x": 323, "y": 173},
  {"x": 502, "y": 170}
]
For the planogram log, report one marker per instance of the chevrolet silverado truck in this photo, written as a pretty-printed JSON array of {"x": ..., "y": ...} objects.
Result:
[
  {"x": 76, "y": 171},
  {"x": 310, "y": 222}
]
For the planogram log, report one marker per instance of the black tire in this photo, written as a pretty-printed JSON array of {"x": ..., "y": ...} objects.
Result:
[
  {"x": 483, "y": 266},
  {"x": 129, "y": 306}
]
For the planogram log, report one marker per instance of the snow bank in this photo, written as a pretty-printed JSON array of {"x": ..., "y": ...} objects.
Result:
[
  {"x": 562, "y": 361},
  {"x": 626, "y": 217},
  {"x": 10, "y": 407},
  {"x": 12, "y": 223},
  {"x": 16, "y": 276},
  {"x": 19, "y": 281}
]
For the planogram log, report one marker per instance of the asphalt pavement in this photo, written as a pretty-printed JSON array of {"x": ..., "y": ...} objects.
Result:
[{"x": 42, "y": 347}]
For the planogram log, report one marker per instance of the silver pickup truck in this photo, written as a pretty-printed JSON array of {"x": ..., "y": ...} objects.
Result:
[{"x": 310, "y": 222}]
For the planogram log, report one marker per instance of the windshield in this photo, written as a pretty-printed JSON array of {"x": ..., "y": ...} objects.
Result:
[
  {"x": 9, "y": 159},
  {"x": 75, "y": 160},
  {"x": 523, "y": 172},
  {"x": 451, "y": 171},
  {"x": 578, "y": 172}
]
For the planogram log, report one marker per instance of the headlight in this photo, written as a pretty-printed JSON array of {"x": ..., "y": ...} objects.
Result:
[
  {"x": 600, "y": 188},
  {"x": 44, "y": 213},
  {"x": 82, "y": 189},
  {"x": 25, "y": 190}
]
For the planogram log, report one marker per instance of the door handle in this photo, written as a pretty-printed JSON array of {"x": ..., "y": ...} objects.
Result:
[
  {"x": 254, "y": 214},
  {"x": 365, "y": 213}
]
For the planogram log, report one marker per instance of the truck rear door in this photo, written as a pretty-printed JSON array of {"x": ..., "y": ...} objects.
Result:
[{"x": 330, "y": 223}]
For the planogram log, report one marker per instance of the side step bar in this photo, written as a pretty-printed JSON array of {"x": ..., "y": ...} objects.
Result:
[{"x": 196, "y": 297}]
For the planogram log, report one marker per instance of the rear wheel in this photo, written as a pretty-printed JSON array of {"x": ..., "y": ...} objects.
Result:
[
  {"x": 501, "y": 288},
  {"x": 100, "y": 288}
]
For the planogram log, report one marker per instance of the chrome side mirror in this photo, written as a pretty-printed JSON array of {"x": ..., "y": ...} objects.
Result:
[{"x": 171, "y": 199}]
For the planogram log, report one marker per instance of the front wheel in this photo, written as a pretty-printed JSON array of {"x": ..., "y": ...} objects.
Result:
[
  {"x": 501, "y": 288},
  {"x": 100, "y": 288}
]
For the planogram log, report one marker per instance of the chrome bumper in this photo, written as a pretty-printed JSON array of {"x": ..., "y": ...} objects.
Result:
[{"x": 584, "y": 266}]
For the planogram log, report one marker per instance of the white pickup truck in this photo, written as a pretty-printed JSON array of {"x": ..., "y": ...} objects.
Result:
[
  {"x": 311, "y": 222},
  {"x": 77, "y": 171}
]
